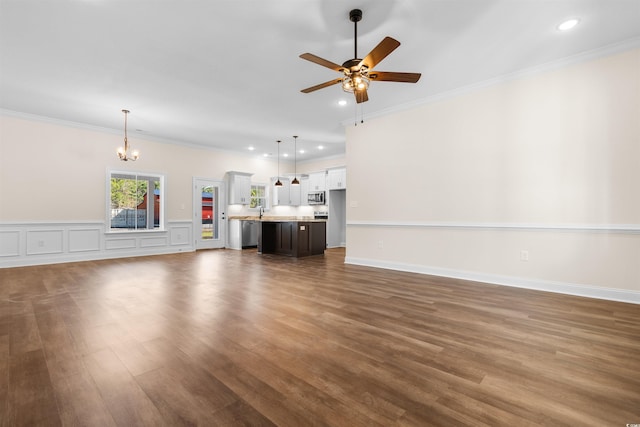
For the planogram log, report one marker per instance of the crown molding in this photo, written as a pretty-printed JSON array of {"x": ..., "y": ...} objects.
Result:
[{"x": 589, "y": 55}]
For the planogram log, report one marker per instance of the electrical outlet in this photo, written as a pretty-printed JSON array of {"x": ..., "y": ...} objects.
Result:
[
  {"x": 524, "y": 255},
  {"x": 381, "y": 243}
]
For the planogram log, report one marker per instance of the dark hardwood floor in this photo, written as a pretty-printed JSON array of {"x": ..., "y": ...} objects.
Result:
[{"x": 227, "y": 338}]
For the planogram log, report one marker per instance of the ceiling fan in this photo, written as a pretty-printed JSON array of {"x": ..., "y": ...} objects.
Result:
[{"x": 358, "y": 73}]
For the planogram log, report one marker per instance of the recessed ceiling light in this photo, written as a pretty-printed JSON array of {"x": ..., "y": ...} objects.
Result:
[
  {"x": 266, "y": 154},
  {"x": 301, "y": 151},
  {"x": 342, "y": 102},
  {"x": 285, "y": 155},
  {"x": 320, "y": 147},
  {"x": 568, "y": 24},
  {"x": 251, "y": 148}
]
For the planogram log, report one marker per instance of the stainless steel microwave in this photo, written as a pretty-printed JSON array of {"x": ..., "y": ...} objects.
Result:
[{"x": 315, "y": 198}]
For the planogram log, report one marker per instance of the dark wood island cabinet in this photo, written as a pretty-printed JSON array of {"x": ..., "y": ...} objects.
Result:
[{"x": 292, "y": 238}]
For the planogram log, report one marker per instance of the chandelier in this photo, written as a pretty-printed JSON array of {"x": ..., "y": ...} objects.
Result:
[{"x": 123, "y": 151}]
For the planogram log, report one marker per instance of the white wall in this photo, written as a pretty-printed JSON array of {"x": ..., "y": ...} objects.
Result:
[
  {"x": 70, "y": 164},
  {"x": 545, "y": 168},
  {"x": 53, "y": 190}
]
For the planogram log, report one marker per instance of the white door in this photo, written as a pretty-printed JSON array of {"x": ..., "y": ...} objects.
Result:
[{"x": 209, "y": 213}]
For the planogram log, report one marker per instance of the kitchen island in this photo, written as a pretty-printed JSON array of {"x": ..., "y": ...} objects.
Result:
[{"x": 296, "y": 238}]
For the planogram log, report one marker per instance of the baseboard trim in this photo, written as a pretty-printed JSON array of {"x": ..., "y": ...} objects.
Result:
[
  {"x": 86, "y": 256},
  {"x": 621, "y": 295}
]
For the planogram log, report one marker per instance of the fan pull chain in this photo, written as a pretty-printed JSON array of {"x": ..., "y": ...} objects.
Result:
[
  {"x": 355, "y": 121},
  {"x": 355, "y": 116}
]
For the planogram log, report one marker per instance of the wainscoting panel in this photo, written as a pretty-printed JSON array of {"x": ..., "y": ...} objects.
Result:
[
  {"x": 150, "y": 242},
  {"x": 115, "y": 244},
  {"x": 42, "y": 242},
  {"x": 84, "y": 240},
  {"x": 180, "y": 235},
  {"x": 10, "y": 243}
]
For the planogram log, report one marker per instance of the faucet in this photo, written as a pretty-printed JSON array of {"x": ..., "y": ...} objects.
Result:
[{"x": 261, "y": 210}]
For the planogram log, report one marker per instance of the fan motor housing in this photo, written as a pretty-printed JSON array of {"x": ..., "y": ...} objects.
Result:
[
  {"x": 352, "y": 64},
  {"x": 355, "y": 15}
]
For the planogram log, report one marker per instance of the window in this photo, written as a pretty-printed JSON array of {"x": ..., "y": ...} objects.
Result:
[
  {"x": 136, "y": 201},
  {"x": 258, "y": 196}
]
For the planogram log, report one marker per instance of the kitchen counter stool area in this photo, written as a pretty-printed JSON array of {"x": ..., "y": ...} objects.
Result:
[{"x": 292, "y": 238}]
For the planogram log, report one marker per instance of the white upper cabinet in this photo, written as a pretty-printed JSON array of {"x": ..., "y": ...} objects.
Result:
[
  {"x": 317, "y": 181},
  {"x": 239, "y": 188},
  {"x": 280, "y": 196},
  {"x": 294, "y": 194},
  {"x": 298, "y": 193},
  {"x": 337, "y": 179},
  {"x": 304, "y": 191},
  {"x": 288, "y": 194}
]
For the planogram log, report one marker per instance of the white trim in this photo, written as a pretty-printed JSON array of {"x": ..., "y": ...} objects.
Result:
[
  {"x": 59, "y": 122},
  {"x": 65, "y": 223},
  {"x": 87, "y": 246},
  {"x": 44, "y": 241},
  {"x": 137, "y": 173},
  {"x": 527, "y": 72},
  {"x": 138, "y": 135},
  {"x": 119, "y": 244},
  {"x": 125, "y": 232},
  {"x": 222, "y": 212},
  {"x": 10, "y": 246},
  {"x": 57, "y": 244},
  {"x": 610, "y": 228},
  {"x": 318, "y": 159},
  {"x": 151, "y": 242},
  {"x": 180, "y": 234},
  {"x": 576, "y": 289}
]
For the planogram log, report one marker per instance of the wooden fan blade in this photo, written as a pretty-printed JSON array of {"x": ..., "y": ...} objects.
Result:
[
  {"x": 387, "y": 76},
  {"x": 321, "y": 85},
  {"x": 320, "y": 61},
  {"x": 384, "y": 48},
  {"x": 361, "y": 95}
]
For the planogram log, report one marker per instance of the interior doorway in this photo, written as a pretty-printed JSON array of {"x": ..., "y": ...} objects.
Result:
[
  {"x": 337, "y": 224},
  {"x": 209, "y": 214}
]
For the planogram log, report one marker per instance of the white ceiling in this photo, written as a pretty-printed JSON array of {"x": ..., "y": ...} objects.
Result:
[{"x": 226, "y": 73}]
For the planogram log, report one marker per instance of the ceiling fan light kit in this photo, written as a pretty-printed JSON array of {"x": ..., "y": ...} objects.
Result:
[
  {"x": 358, "y": 73},
  {"x": 356, "y": 81}
]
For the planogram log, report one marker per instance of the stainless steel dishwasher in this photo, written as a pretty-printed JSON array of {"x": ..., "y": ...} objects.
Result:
[{"x": 250, "y": 234}]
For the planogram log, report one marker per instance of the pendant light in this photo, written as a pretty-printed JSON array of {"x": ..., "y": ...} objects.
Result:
[
  {"x": 278, "y": 182},
  {"x": 123, "y": 152},
  {"x": 295, "y": 161}
]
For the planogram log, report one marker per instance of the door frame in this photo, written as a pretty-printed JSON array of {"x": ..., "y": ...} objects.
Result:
[{"x": 221, "y": 241}]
